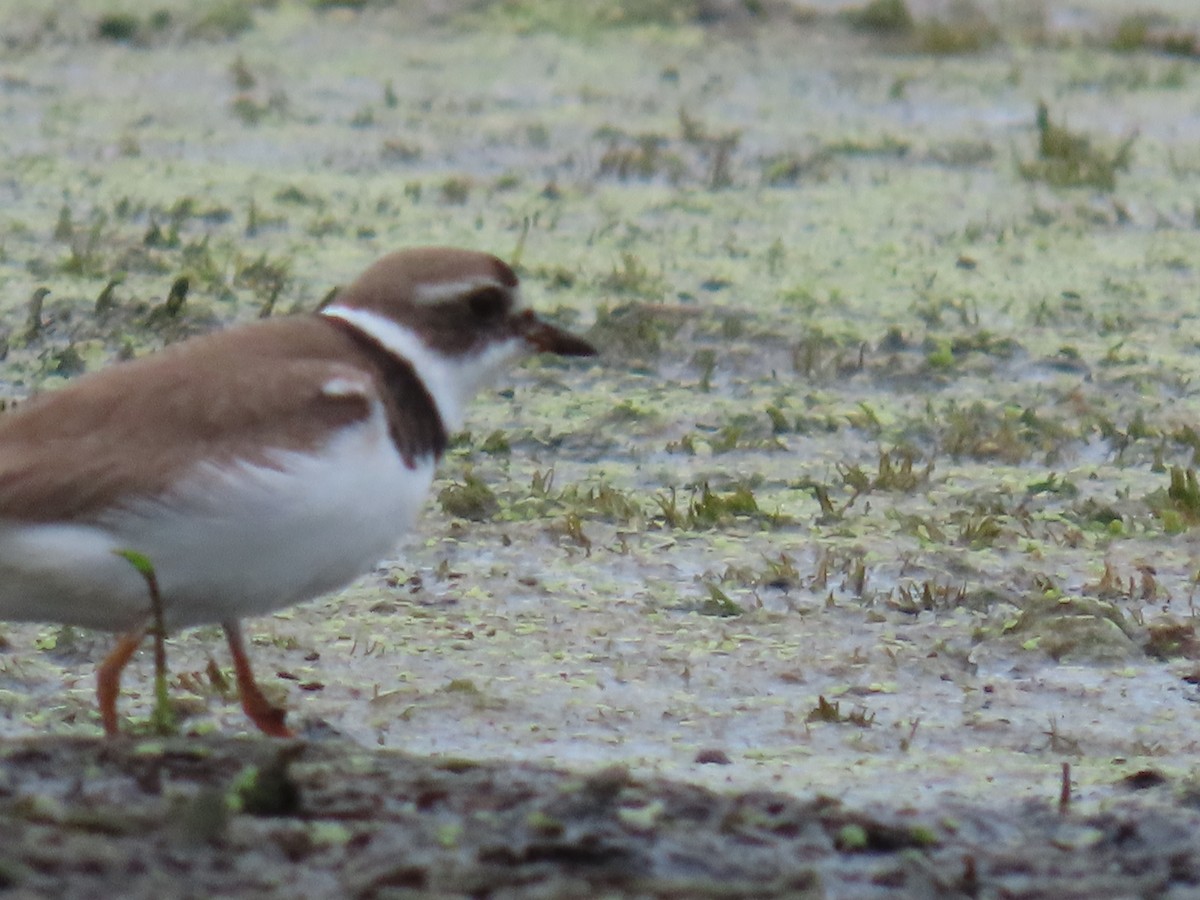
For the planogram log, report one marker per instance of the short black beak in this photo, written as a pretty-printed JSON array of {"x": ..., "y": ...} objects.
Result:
[{"x": 546, "y": 338}]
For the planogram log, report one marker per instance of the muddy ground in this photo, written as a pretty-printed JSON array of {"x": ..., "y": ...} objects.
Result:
[
  {"x": 877, "y": 508},
  {"x": 206, "y": 817}
]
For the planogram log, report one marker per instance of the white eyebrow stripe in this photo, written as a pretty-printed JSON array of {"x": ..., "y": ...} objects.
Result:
[
  {"x": 438, "y": 291},
  {"x": 342, "y": 386},
  {"x": 431, "y": 294}
]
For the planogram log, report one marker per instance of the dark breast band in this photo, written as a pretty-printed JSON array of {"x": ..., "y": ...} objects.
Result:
[{"x": 414, "y": 423}]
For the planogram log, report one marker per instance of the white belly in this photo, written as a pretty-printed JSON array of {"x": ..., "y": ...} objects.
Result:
[{"x": 225, "y": 544}]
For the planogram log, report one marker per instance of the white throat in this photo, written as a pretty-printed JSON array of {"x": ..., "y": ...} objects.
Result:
[{"x": 451, "y": 381}]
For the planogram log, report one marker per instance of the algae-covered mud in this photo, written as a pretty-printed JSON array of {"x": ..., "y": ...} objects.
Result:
[{"x": 882, "y": 491}]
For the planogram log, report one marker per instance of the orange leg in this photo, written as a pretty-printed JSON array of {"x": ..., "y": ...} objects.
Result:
[
  {"x": 108, "y": 678},
  {"x": 267, "y": 717}
]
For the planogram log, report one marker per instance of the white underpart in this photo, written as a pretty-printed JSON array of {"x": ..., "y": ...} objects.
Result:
[
  {"x": 451, "y": 380},
  {"x": 226, "y": 543}
]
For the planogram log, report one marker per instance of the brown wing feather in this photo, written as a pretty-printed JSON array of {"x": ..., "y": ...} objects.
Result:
[{"x": 131, "y": 430}]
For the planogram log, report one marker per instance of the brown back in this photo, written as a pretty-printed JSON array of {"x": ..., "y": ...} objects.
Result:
[{"x": 132, "y": 430}]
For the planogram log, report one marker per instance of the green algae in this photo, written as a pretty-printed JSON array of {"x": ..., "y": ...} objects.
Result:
[
  {"x": 884, "y": 351},
  {"x": 472, "y": 499},
  {"x": 1067, "y": 159},
  {"x": 882, "y": 16}
]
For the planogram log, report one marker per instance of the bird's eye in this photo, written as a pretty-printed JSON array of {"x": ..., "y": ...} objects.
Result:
[{"x": 488, "y": 302}]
